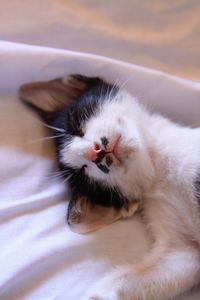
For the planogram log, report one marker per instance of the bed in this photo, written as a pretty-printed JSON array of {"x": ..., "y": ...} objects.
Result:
[{"x": 40, "y": 258}]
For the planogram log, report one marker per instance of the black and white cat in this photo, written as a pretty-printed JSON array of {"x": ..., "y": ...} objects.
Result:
[{"x": 119, "y": 158}]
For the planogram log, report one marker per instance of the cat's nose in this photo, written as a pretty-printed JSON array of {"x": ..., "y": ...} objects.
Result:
[{"x": 95, "y": 152}]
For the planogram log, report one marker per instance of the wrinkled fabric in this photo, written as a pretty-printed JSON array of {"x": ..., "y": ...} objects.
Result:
[
  {"x": 158, "y": 34},
  {"x": 40, "y": 257}
]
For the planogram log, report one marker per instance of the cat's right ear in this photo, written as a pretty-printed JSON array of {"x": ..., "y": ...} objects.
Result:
[
  {"x": 50, "y": 97},
  {"x": 83, "y": 216}
]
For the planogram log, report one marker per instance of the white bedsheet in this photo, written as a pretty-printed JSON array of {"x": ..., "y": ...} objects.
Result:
[{"x": 40, "y": 257}]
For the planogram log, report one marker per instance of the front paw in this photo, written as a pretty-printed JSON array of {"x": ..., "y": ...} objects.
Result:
[
  {"x": 110, "y": 288},
  {"x": 99, "y": 298},
  {"x": 97, "y": 293},
  {"x": 105, "y": 295}
]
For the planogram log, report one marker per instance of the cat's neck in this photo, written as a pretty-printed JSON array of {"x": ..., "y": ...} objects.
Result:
[
  {"x": 171, "y": 149},
  {"x": 160, "y": 147}
]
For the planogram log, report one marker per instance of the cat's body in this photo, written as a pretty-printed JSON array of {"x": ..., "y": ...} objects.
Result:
[{"x": 119, "y": 158}]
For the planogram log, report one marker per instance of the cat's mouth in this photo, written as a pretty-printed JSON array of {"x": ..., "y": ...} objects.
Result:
[
  {"x": 114, "y": 153},
  {"x": 119, "y": 150},
  {"x": 105, "y": 157},
  {"x": 110, "y": 152}
]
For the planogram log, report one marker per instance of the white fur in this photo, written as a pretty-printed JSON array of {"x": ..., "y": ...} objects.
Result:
[{"x": 162, "y": 163}]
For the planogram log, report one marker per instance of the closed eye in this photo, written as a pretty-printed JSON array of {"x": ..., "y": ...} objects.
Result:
[{"x": 75, "y": 129}]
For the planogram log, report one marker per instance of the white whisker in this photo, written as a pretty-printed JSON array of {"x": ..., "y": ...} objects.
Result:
[
  {"x": 123, "y": 84},
  {"x": 51, "y": 127},
  {"x": 66, "y": 179},
  {"x": 45, "y": 138}
]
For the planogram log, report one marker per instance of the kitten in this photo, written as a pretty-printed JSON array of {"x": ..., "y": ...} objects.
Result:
[{"x": 119, "y": 158}]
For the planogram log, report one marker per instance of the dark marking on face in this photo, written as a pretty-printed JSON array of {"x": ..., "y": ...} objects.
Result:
[
  {"x": 100, "y": 156},
  {"x": 103, "y": 168},
  {"x": 104, "y": 141},
  {"x": 109, "y": 160},
  {"x": 95, "y": 191}
]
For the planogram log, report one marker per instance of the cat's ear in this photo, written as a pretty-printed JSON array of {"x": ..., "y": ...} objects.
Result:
[
  {"x": 49, "y": 97},
  {"x": 84, "y": 216}
]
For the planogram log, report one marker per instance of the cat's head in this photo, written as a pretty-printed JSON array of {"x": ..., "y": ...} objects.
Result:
[{"x": 99, "y": 143}]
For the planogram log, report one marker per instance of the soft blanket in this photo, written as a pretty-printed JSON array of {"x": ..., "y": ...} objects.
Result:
[{"x": 40, "y": 258}]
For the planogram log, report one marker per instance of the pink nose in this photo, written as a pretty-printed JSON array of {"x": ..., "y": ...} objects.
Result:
[{"x": 93, "y": 152}]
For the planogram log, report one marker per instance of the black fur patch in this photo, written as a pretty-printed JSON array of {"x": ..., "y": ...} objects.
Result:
[
  {"x": 104, "y": 141},
  {"x": 73, "y": 116},
  {"x": 71, "y": 119},
  {"x": 94, "y": 191},
  {"x": 103, "y": 168},
  {"x": 100, "y": 156},
  {"x": 109, "y": 160}
]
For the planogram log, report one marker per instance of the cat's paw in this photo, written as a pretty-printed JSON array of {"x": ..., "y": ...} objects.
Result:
[
  {"x": 111, "y": 294},
  {"x": 105, "y": 295},
  {"x": 98, "y": 298},
  {"x": 110, "y": 288}
]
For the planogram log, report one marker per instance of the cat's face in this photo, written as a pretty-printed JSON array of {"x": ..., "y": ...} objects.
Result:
[
  {"x": 100, "y": 139},
  {"x": 99, "y": 145}
]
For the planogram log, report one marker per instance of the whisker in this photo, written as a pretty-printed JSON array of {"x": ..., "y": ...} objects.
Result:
[
  {"x": 60, "y": 172},
  {"x": 51, "y": 127},
  {"x": 118, "y": 84},
  {"x": 121, "y": 85},
  {"x": 66, "y": 179},
  {"x": 45, "y": 138},
  {"x": 112, "y": 89},
  {"x": 59, "y": 175}
]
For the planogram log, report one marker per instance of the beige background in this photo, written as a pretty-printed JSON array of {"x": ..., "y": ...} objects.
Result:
[{"x": 160, "y": 34}]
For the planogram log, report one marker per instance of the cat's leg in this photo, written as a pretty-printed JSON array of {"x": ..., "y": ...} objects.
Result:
[{"x": 164, "y": 274}]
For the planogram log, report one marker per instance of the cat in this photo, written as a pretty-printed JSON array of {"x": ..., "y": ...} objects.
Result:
[{"x": 119, "y": 159}]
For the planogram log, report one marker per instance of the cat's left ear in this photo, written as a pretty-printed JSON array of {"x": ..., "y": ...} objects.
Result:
[{"x": 49, "y": 97}]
